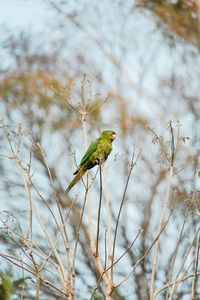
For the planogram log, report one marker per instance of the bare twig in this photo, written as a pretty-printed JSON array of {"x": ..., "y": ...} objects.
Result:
[
  {"x": 76, "y": 243},
  {"x": 147, "y": 252},
  {"x": 177, "y": 248},
  {"x": 64, "y": 98},
  {"x": 176, "y": 282},
  {"x": 109, "y": 230},
  {"x": 172, "y": 144},
  {"x": 155, "y": 256},
  {"x": 99, "y": 210},
  {"x": 123, "y": 254},
  {"x": 15, "y": 261},
  {"x": 122, "y": 203},
  {"x": 194, "y": 281}
]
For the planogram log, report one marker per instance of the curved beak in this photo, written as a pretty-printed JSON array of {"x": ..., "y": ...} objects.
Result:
[{"x": 113, "y": 136}]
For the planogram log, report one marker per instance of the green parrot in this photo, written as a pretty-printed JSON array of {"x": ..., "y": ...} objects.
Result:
[{"x": 96, "y": 154}]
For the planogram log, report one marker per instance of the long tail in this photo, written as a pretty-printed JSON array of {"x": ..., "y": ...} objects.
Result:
[{"x": 78, "y": 176}]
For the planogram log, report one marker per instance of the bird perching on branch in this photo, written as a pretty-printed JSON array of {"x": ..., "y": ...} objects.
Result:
[{"x": 96, "y": 154}]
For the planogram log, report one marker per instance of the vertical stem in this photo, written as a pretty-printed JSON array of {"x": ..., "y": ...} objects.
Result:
[
  {"x": 83, "y": 120},
  {"x": 76, "y": 244},
  {"x": 91, "y": 232},
  {"x": 172, "y": 144},
  {"x": 66, "y": 241},
  {"x": 30, "y": 202},
  {"x": 37, "y": 287},
  {"x": 120, "y": 209},
  {"x": 177, "y": 280},
  {"x": 91, "y": 229},
  {"x": 176, "y": 252},
  {"x": 194, "y": 282},
  {"x": 60, "y": 266},
  {"x": 109, "y": 231},
  {"x": 99, "y": 210},
  {"x": 155, "y": 256}
]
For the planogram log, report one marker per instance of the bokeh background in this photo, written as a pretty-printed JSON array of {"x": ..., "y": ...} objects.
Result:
[{"x": 131, "y": 66}]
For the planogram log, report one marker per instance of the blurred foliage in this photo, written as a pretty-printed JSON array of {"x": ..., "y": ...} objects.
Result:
[
  {"x": 97, "y": 296},
  {"x": 39, "y": 94},
  {"x": 9, "y": 286},
  {"x": 181, "y": 17},
  {"x": 6, "y": 287},
  {"x": 31, "y": 94}
]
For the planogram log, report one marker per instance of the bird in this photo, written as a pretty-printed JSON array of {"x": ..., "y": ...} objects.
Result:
[{"x": 96, "y": 154}]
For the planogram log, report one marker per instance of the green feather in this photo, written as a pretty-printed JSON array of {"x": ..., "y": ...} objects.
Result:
[
  {"x": 78, "y": 176},
  {"x": 97, "y": 153},
  {"x": 90, "y": 150}
]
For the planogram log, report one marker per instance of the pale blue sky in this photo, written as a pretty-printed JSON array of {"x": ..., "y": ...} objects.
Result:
[{"x": 19, "y": 14}]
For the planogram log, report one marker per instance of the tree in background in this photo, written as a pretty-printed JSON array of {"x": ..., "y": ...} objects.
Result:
[{"x": 145, "y": 202}]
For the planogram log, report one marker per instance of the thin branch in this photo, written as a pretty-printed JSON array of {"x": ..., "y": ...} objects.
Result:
[
  {"x": 61, "y": 268},
  {"x": 28, "y": 269},
  {"x": 64, "y": 98},
  {"x": 109, "y": 246},
  {"x": 55, "y": 194},
  {"x": 99, "y": 211},
  {"x": 172, "y": 144},
  {"x": 76, "y": 244},
  {"x": 155, "y": 256},
  {"x": 174, "y": 286},
  {"x": 106, "y": 270},
  {"x": 177, "y": 248},
  {"x": 105, "y": 249},
  {"x": 99, "y": 106},
  {"x": 175, "y": 282},
  {"x": 194, "y": 282},
  {"x": 147, "y": 252},
  {"x": 160, "y": 140},
  {"x": 122, "y": 203}
]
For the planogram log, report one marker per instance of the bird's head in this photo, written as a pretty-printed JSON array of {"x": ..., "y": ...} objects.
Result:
[{"x": 109, "y": 134}]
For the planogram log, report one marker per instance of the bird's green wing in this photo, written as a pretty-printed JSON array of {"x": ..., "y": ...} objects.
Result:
[{"x": 90, "y": 150}]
